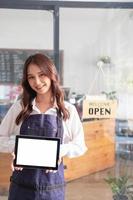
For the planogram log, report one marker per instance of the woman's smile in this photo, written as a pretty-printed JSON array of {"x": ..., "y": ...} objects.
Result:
[{"x": 40, "y": 87}]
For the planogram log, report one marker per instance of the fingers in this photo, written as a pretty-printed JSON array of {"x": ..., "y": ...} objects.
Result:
[
  {"x": 13, "y": 155},
  {"x": 15, "y": 168},
  {"x": 59, "y": 161},
  {"x": 54, "y": 171},
  {"x": 50, "y": 171},
  {"x": 18, "y": 168},
  {"x": 12, "y": 166}
]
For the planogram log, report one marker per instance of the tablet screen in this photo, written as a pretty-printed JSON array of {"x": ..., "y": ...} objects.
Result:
[{"x": 36, "y": 152}]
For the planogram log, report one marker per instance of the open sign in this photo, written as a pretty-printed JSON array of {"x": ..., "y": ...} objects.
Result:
[{"x": 99, "y": 109}]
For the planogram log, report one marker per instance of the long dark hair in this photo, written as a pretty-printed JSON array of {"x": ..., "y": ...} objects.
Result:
[{"x": 48, "y": 67}]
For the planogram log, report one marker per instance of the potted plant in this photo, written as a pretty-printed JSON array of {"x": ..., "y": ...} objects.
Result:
[
  {"x": 121, "y": 188},
  {"x": 110, "y": 95}
]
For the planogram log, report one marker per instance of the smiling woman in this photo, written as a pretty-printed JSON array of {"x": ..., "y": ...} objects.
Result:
[
  {"x": 42, "y": 111},
  {"x": 40, "y": 80}
]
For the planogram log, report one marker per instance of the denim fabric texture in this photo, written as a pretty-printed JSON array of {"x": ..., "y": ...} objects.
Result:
[{"x": 35, "y": 184}]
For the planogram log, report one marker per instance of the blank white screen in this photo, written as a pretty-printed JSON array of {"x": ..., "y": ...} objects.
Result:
[{"x": 37, "y": 152}]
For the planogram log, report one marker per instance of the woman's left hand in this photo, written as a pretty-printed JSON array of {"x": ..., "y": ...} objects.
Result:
[
  {"x": 54, "y": 171},
  {"x": 13, "y": 168}
]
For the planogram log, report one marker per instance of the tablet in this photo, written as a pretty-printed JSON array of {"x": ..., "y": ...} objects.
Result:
[{"x": 36, "y": 152}]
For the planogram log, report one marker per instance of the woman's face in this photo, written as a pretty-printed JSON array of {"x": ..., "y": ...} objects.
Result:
[{"x": 39, "y": 82}]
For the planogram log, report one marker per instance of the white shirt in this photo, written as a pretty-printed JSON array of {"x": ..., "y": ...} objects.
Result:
[{"x": 73, "y": 136}]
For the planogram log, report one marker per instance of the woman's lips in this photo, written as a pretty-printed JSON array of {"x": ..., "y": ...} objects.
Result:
[{"x": 39, "y": 88}]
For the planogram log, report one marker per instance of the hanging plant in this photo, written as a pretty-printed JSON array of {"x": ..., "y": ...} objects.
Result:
[
  {"x": 110, "y": 95},
  {"x": 105, "y": 59}
]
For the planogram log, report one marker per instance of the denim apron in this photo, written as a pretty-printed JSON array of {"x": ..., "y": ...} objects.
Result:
[{"x": 36, "y": 184}]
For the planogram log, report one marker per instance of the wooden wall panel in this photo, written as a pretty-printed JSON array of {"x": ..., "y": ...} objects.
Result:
[
  {"x": 93, "y": 161},
  {"x": 100, "y": 140},
  {"x": 5, "y": 171}
]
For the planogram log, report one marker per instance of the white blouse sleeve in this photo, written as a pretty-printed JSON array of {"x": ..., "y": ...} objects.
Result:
[
  {"x": 74, "y": 143},
  {"x": 8, "y": 128}
]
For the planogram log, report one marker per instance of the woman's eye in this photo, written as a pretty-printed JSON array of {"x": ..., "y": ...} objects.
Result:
[
  {"x": 30, "y": 77},
  {"x": 42, "y": 75}
]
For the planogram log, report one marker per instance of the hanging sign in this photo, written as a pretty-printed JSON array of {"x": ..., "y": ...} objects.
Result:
[{"x": 99, "y": 109}]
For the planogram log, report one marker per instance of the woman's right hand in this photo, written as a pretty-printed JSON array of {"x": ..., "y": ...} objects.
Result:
[{"x": 13, "y": 168}]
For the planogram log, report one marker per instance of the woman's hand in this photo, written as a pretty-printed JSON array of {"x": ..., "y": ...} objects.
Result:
[
  {"x": 54, "y": 171},
  {"x": 12, "y": 166}
]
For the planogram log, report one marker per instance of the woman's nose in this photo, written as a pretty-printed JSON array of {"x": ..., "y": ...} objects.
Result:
[{"x": 37, "y": 81}]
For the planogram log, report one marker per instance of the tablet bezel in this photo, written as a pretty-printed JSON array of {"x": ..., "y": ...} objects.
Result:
[{"x": 38, "y": 138}]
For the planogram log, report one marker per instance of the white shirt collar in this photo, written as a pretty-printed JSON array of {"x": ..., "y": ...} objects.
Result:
[
  {"x": 33, "y": 104},
  {"x": 37, "y": 110}
]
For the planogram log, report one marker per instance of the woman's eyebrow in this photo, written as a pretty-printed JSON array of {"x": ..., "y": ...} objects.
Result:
[
  {"x": 40, "y": 72},
  {"x": 29, "y": 74}
]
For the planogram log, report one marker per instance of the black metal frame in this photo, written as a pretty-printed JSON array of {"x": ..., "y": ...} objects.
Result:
[
  {"x": 47, "y": 4},
  {"x": 55, "y": 6}
]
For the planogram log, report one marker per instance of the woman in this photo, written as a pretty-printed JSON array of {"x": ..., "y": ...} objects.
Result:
[{"x": 42, "y": 111}]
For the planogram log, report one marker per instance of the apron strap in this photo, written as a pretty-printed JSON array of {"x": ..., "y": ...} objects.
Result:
[{"x": 59, "y": 125}]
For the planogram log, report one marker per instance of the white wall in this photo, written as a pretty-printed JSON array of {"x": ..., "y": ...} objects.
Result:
[
  {"x": 26, "y": 29},
  {"x": 85, "y": 35}
]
